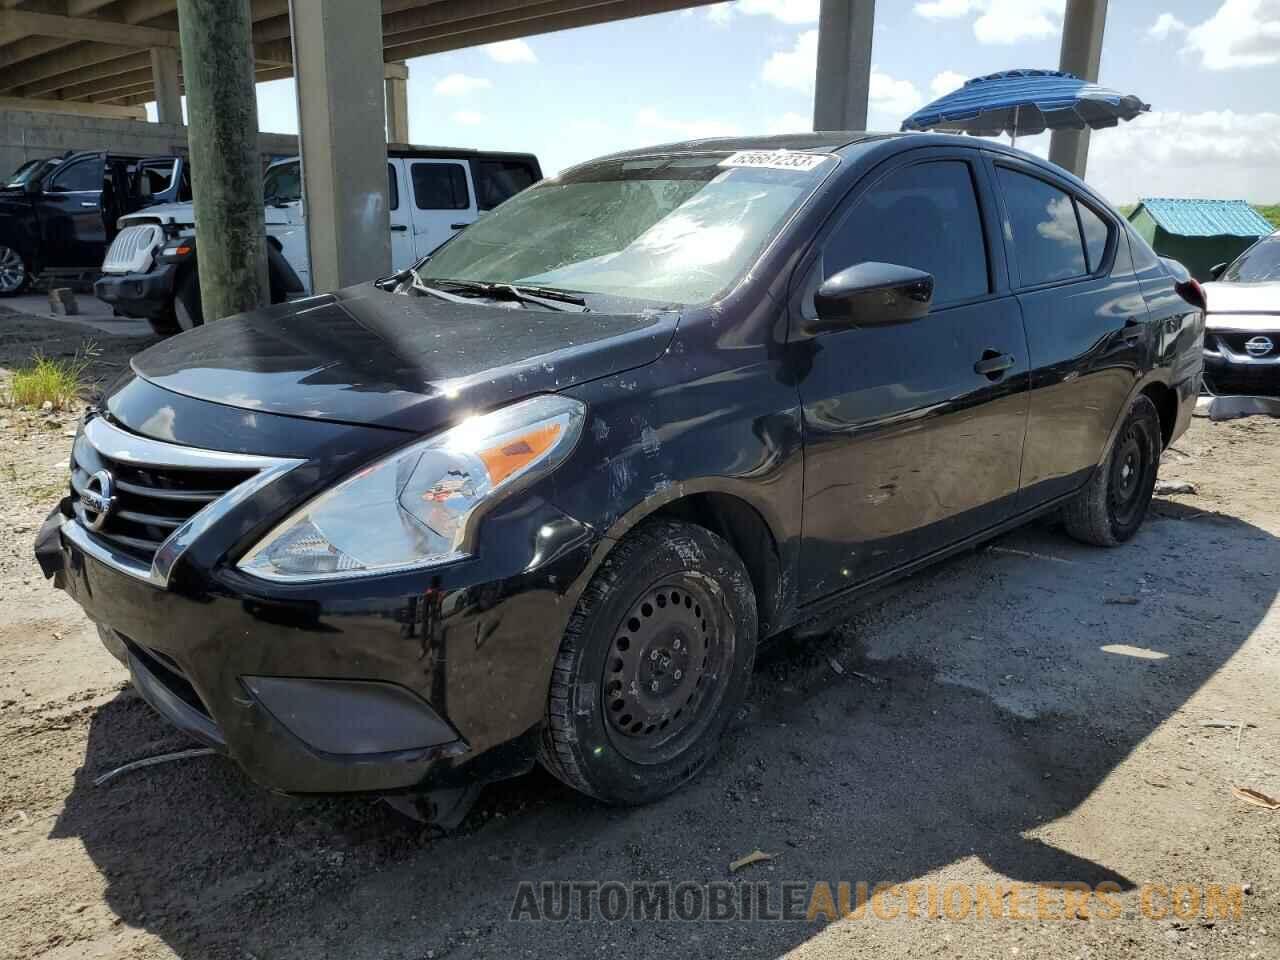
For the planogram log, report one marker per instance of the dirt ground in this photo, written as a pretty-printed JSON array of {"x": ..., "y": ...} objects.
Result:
[{"x": 1034, "y": 712}]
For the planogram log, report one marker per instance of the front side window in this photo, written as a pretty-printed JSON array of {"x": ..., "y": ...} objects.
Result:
[
  {"x": 393, "y": 188},
  {"x": 153, "y": 178},
  {"x": 677, "y": 230},
  {"x": 1258, "y": 264},
  {"x": 283, "y": 183},
  {"x": 1042, "y": 229},
  {"x": 923, "y": 216},
  {"x": 82, "y": 175},
  {"x": 440, "y": 186}
]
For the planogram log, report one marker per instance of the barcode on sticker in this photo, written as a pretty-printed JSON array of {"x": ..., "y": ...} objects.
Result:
[{"x": 774, "y": 160}]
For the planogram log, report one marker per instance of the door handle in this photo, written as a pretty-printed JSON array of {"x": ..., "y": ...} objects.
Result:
[
  {"x": 993, "y": 364},
  {"x": 399, "y": 227},
  {"x": 458, "y": 226},
  {"x": 85, "y": 203}
]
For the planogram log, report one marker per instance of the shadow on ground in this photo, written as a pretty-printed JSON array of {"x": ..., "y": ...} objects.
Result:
[{"x": 976, "y": 706}]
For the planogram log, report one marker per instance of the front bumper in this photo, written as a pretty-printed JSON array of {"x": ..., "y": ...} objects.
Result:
[
  {"x": 422, "y": 680},
  {"x": 147, "y": 295},
  {"x": 1237, "y": 384}
]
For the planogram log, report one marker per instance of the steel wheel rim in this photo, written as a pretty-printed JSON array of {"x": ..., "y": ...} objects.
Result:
[
  {"x": 13, "y": 271},
  {"x": 666, "y": 670},
  {"x": 1129, "y": 466}
]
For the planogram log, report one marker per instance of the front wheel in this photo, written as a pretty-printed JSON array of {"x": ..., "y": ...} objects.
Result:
[
  {"x": 187, "y": 308},
  {"x": 1111, "y": 508},
  {"x": 14, "y": 273},
  {"x": 655, "y": 661}
]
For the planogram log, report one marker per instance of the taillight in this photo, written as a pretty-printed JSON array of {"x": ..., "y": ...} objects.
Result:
[{"x": 1192, "y": 292}]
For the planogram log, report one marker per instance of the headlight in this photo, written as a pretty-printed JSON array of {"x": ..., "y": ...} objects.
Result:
[{"x": 412, "y": 508}]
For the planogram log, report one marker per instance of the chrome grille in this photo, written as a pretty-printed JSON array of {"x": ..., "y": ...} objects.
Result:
[
  {"x": 162, "y": 496},
  {"x": 130, "y": 252}
]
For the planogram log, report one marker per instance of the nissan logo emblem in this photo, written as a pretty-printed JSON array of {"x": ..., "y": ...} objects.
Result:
[
  {"x": 96, "y": 500},
  {"x": 1259, "y": 346}
]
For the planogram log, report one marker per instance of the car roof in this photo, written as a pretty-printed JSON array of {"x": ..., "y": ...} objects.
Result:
[{"x": 822, "y": 141}]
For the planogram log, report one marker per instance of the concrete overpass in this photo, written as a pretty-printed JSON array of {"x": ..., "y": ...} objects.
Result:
[{"x": 108, "y": 57}]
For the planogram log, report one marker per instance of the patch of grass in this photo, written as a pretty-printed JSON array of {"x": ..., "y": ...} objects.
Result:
[
  {"x": 59, "y": 382},
  {"x": 1271, "y": 212}
]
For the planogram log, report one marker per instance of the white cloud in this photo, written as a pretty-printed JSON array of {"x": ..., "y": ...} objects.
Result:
[
  {"x": 946, "y": 81},
  {"x": 786, "y": 11},
  {"x": 1166, "y": 24},
  {"x": 1243, "y": 33},
  {"x": 460, "y": 84},
  {"x": 1000, "y": 21},
  {"x": 468, "y": 118},
  {"x": 945, "y": 9},
  {"x": 791, "y": 123},
  {"x": 652, "y": 119},
  {"x": 511, "y": 51},
  {"x": 893, "y": 98},
  {"x": 1219, "y": 154},
  {"x": 794, "y": 69}
]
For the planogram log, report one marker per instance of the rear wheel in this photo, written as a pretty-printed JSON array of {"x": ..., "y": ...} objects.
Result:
[
  {"x": 186, "y": 301},
  {"x": 1112, "y": 507},
  {"x": 655, "y": 661},
  {"x": 14, "y": 272}
]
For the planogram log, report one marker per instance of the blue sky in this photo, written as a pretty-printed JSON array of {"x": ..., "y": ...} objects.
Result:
[{"x": 1210, "y": 69}]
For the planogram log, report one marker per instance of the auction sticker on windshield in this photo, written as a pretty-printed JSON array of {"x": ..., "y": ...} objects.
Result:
[{"x": 774, "y": 160}]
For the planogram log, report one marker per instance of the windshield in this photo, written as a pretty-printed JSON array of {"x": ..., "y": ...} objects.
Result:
[
  {"x": 30, "y": 172},
  {"x": 675, "y": 230},
  {"x": 1259, "y": 263}
]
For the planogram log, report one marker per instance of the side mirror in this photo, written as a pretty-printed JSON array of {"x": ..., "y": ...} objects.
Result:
[
  {"x": 31, "y": 187},
  {"x": 1217, "y": 270},
  {"x": 871, "y": 294}
]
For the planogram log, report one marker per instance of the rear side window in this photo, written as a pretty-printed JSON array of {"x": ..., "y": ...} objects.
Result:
[
  {"x": 1042, "y": 229},
  {"x": 497, "y": 180},
  {"x": 393, "y": 188},
  {"x": 440, "y": 186},
  {"x": 1096, "y": 233},
  {"x": 85, "y": 175},
  {"x": 923, "y": 216}
]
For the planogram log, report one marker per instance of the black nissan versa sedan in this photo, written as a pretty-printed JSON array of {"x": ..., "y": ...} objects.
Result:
[{"x": 541, "y": 495}]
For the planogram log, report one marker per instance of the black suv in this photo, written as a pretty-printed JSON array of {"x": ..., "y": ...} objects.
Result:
[
  {"x": 541, "y": 494},
  {"x": 58, "y": 215}
]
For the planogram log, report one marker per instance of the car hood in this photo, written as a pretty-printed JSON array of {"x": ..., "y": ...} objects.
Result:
[
  {"x": 182, "y": 213},
  {"x": 1240, "y": 299},
  {"x": 366, "y": 356}
]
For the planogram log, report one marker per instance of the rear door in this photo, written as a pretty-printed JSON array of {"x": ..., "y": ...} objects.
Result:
[
  {"x": 1086, "y": 323},
  {"x": 402, "y": 251},
  {"x": 443, "y": 201},
  {"x": 908, "y": 446},
  {"x": 72, "y": 229}
]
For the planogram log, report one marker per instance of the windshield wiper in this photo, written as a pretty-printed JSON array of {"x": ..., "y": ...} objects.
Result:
[
  {"x": 422, "y": 287},
  {"x": 547, "y": 297}
]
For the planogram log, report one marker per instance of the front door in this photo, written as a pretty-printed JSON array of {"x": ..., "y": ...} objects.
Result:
[
  {"x": 1086, "y": 322},
  {"x": 285, "y": 220},
  {"x": 913, "y": 432},
  {"x": 444, "y": 201},
  {"x": 73, "y": 232},
  {"x": 402, "y": 253}
]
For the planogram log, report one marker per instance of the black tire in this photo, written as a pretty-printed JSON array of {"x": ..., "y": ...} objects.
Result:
[
  {"x": 695, "y": 647},
  {"x": 15, "y": 272},
  {"x": 187, "y": 310},
  {"x": 1111, "y": 508},
  {"x": 164, "y": 327}
]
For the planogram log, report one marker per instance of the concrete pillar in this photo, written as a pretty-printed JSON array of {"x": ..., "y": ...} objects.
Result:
[
  {"x": 1081, "y": 54},
  {"x": 843, "y": 80},
  {"x": 226, "y": 178},
  {"x": 337, "y": 51},
  {"x": 397, "y": 97},
  {"x": 164, "y": 76}
]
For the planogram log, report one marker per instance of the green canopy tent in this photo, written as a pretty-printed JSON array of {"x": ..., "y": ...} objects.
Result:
[{"x": 1198, "y": 233}]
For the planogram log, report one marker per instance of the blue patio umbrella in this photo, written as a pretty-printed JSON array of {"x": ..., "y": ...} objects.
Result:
[{"x": 1025, "y": 102}]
